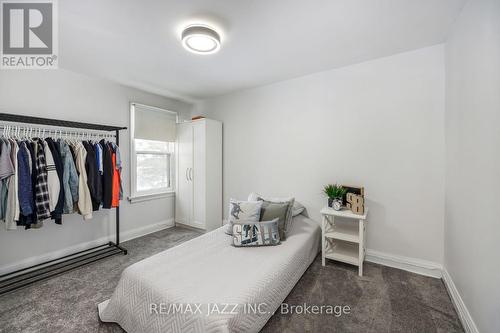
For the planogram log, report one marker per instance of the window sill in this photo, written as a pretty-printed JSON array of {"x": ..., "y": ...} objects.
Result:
[{"x": 149, "y": 197}]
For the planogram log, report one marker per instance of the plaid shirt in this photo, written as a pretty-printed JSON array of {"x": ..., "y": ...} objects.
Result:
[{"x": 41, "y": 188}]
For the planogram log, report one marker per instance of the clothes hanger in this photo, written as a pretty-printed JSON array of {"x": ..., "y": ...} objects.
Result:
[{"x": 4, "y": 133}]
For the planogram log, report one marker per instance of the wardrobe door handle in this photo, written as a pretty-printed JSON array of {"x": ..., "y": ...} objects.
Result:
[
  {"x": 191, "y": 174},
  {"x": 187, "y": 178}
]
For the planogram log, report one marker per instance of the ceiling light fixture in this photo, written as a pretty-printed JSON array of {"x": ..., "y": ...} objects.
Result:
[{"x": 200, "y": 39}]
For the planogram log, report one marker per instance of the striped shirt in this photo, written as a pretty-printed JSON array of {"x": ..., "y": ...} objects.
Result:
[{"x": 42, "y": 200}]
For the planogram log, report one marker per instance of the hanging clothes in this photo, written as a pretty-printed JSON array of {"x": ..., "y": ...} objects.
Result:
[
  {"x": 84, "y": 199},
  {"x": 52, "y": 178},
  {"x": 25, "y": 194},
  {"x": 42, "y": 199},
  {"x": 56, "y": 155},
  {"x": 17, "y": 210},
  {"x": 6, "y": 171},
  {"x": 73, "y": 154},
  {"x": 116, "y": 183},
  {"x": 115, "y": 201},
  {"x": 31, "y": 220},
  {"x": 98, "y": 156},
  {"x": 12, "y": 203},
  {"x": 4, "y": 190},
  {"x": 46, "y": 178},
  {"x": 118, "y": 167},
  {"x": 93, "y": 180},
  {"x": 99, "y": 181},
  {"x": 70, "y": 178},
  {"x": 6, "y": 166},
  {"x": 34, "y": 177},
  {"x": 107, "y": 177}
]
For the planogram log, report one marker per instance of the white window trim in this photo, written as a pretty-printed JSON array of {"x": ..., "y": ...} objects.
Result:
[
  {"x": 141, "y": 196},
  {"x": 149, "y": 197}
]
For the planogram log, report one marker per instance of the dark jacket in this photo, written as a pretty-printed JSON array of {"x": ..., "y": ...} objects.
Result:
[
  {"x": 56, "y": 155},
  {"x": 32, "y": 219},
  {"x": 93, "y": 179},
  {"x": 107, "y": 176},
  {"x": 25, "y": 192}
]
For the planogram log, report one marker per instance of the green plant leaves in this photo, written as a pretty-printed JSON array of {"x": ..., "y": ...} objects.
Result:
[{"x": 334, "y": 191}]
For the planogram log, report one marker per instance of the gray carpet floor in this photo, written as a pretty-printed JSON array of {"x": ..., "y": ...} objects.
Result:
[{"x": 384, "y": 300}]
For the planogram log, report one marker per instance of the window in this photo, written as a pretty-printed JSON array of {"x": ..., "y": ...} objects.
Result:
[
  {"x": 152, "y": 150},
  {"x": 153, "y": 165}
]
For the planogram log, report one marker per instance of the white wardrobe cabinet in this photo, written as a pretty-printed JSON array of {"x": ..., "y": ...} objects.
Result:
[{"x": 198, "y": 200}]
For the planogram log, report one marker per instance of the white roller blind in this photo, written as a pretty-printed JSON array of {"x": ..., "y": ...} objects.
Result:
[{"x": 154, "y": 124}]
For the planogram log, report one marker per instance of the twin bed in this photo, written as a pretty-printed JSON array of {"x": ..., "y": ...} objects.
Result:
[{"x": 207, "y": 285}]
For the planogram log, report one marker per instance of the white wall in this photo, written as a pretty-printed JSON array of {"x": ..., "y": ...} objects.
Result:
[
  {"x": 472, "y": 226},
  {"x": 66, "y": 95},
  {"x": 379, "y": 124}
]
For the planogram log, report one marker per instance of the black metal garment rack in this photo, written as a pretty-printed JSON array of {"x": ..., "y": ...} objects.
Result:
[{"x": 23, "y": 277}]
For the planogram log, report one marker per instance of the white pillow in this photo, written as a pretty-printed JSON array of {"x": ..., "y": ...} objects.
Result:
[
  {"x": 291, "y": 200},
  {"x": 297, "y": 208},
  {"x": 242, "y": 211}
]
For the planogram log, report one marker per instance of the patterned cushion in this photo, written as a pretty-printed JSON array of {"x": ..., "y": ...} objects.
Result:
[
  {"x": 256, "y": 233},
  {"x": 242, "y": 211}
]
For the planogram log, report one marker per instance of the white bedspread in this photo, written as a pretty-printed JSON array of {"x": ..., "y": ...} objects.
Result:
[{"x": 167, "y": 292}]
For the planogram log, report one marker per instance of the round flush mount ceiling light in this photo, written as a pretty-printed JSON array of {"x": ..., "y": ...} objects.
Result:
[{"x": 200, "y": 39}]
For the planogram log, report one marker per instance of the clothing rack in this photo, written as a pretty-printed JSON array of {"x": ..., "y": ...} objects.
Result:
[{"x": 26, "y": 276}]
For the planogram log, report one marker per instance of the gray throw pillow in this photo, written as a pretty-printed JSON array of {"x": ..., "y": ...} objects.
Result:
[
  {"x": 290, "y": 201},
  {"x": 273, "y": 210},
  {"x": 263, "y": 233}
]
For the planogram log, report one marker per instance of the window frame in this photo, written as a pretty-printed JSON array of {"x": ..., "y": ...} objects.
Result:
[{"x": 136, "y": 195}]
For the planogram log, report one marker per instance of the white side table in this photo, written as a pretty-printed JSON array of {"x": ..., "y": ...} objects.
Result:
[{"x": 343, "y": 242}]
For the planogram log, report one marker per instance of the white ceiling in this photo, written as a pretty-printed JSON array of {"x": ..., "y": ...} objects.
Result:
[{"x": 136, "y": 43}]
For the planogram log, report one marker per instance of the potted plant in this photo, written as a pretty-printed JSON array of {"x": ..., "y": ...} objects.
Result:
[{"x": 335, "y": 193}]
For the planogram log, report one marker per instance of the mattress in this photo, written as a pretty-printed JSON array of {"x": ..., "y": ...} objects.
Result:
[{"x": 207, "y": 285}]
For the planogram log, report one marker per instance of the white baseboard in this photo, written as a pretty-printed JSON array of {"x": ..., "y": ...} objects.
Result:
[
  {"x": 143, "y": 231},
  {"x": 463, "y": 312},
  {"x": 190, "y": 227},
  {"x": 418, "y": 266},
  {"x": 125, "y": 236},
  {"x": 431, "y": 269}
]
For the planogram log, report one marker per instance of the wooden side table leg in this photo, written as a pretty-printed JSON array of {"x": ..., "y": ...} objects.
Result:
[
  {"x": 361, "y": 248},
  {"x": 323, "y": 245}
]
